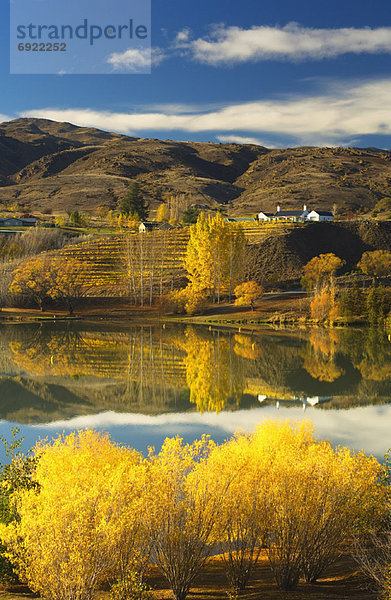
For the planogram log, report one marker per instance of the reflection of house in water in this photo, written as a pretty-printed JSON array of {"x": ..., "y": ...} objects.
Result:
[
  {"x": 315, "y": 400},
  {"x": 294, "y": 400}
]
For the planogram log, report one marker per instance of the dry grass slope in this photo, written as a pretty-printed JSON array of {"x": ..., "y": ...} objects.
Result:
[{"x": 49, "y": 165}]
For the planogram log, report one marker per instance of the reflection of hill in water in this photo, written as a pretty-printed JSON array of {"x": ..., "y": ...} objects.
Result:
[
  {"x": 54, "y": 372},
  {"x": 30, "y": 401}
]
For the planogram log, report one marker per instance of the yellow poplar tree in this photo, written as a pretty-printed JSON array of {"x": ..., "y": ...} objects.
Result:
[
  {"x": 215, "y": 255},
  {"x": 162, "y": 213},
  {"x": 199, "y": 255}
]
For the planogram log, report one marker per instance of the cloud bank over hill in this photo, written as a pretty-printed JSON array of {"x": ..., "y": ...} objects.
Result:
[{"x": 337, "y": 116}]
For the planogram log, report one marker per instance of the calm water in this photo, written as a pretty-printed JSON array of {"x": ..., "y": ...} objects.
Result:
[{"x": 145, "y": 383}]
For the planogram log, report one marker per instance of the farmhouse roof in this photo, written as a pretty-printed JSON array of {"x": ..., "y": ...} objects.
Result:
[
  {"x": 288, "y": 213},
  {"x": 323, "y": 213}
]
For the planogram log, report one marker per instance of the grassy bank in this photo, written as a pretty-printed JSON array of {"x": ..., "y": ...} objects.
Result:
[{"x": 343, "y": 582}]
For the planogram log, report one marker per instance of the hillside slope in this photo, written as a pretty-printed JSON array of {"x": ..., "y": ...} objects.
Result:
[
  {"x": 58, "y": 166},
  {"x": 280, "y": 258}
]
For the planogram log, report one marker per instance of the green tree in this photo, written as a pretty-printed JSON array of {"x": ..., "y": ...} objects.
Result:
[
  {"x": 75, "y": 218},
  {"x": 376, "y": 304},
  {"x": 190, "y": 216},
  {"x": 134, "y": 202},
  {"x": 16, "y": 475},
  {"x": 351, "y": 301}
]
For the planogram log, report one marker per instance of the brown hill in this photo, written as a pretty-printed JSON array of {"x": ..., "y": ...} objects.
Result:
[
  {"x": 45, "y": 164},
  {"x": 279, "y": 259}
]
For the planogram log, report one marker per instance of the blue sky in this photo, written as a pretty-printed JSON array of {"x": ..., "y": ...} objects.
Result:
[{"x": 278, "y": 73}]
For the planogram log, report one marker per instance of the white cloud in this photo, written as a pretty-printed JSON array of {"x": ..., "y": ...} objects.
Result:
[
  {"x": 4, "y": 118},
  {"x": 182, "y": 36},
  {"x": 241, "y": 139},
  {"x": 360, "y": 428},
  {"x": 135, "y": 59},
  {"x": 230, "y": 45},
  {"x": 343, "y": 112}
]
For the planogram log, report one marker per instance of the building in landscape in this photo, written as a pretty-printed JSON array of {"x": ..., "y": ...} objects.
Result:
[
  {"x": 297, "y": 216},
  {"x": 290, "y": 215},
  {"x": 265, "y": 216},
  {"x": 152, "y": 226},
  {"x": 18, "y": 222},
  {"x": 320, "y": 215}
]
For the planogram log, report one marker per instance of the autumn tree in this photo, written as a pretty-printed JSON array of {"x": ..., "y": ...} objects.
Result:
[
  {"x": 74, "y": 533},
  {"x": 53, "y": 278},
  {"x": 376, "y": 263},
  {"x": 184, "y": 511},
  {"x": 177, "y": 205},
  {"x": 323, "y": 306},
  {"x": 308, "y": 480},
  {"x": 162, "y": 213},
  {"x": 242, "y": 523},
  {"x": 373, "y": 552},
  {"x": 246, "y": 293},
  {"x": 32, "y": 281},
  {"x": 214, "y": 257},
  {"x": 320, "y": 270},
  {"x": 67, "y": 281}
]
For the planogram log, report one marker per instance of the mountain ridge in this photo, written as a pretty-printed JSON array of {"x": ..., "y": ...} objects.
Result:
[{"x": 48, "y": 165}]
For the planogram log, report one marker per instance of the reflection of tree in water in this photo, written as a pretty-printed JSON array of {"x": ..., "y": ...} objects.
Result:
[
  {"x": 320, "y": 355},
  {"x": 66, "y": 351},
  {"x": 246, "y": 347},
  {"x": 277, "y": 357},
  {"x": 155, "y": 373},
  {"x": 369, "y": 350},
  {"x": 376, "y": 360},
  {"x": 214, "y": 372},
  {"x": 155, "y": 369},
  {"x": 151, "y": 371}
]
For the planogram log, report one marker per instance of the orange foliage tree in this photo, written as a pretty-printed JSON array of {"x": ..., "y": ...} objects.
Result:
[
  {"x": 320, "y": 270},
  {"x": 246, "y": 293},
  {"x": 57, "y": 278}
]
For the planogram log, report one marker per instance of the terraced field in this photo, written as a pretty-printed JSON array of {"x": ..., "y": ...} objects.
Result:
[{"x": 107, "y": 263}]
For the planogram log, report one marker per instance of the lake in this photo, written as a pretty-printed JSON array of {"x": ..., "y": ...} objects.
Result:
[{"x": 143, "y": 383}]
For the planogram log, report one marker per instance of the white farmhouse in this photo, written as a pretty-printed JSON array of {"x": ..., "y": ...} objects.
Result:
[
  {"x": 320, "y": 215},
  {"x": 265, "y": 216}
]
